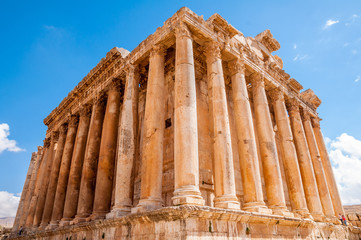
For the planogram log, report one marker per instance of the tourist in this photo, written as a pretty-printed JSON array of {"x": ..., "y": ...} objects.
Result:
[
  {"x": 344, "y": 220},
  {"x": 340, "y": 217},
  {"x": 21, "y": 230}
]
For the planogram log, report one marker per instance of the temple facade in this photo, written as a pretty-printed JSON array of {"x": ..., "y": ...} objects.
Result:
[{"x": 198, "y": 132}]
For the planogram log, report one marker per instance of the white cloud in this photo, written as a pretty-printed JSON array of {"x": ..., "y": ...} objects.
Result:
[
  {"x": 295, "y": 46},
  {"x": 8, "y": 204},
  {"x": 329, "y": 23},
  {"x": 345, "y": 156},
  {"x": 299, "y": 57},
  {"x": 358, "y": 78},
  {"x": 5, "y": 143},
  {"x": 352, "y": 20}
]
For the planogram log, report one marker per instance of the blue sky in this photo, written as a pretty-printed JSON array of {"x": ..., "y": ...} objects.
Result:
[{"x": 47, "y": 47}]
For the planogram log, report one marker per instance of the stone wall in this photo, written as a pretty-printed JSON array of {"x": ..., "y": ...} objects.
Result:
[{"x": 353, "y": 213}]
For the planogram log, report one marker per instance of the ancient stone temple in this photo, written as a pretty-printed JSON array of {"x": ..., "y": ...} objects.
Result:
[{"x": 196, "y": 133}]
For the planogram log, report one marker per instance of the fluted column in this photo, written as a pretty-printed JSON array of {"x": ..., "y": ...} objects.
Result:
[
  {"x": 268, "y": 149},
  {"x": 247, "y": 147},
  {"x": 72, "y": 192},
  {"x": 331, "y": 182},
  {"x": 88, "y": 177},
  {"x": 186, "y": 162},
  {"x": 305, "y": 163},
  {"x": 32, "y": 206},
  {"x": 44, "y": 179},
  {"x": 105, "y": 174},
  {"x": 61, "y": 187},
  {"x": 288, "y": 150},
  {"x": 32, "y": 184},
  {"x": 317, "y": 167},
  {"x": 49, "y": 202},
  {"x": 20, "y": 211},
  {"x": 223, "y": 171},
  {"x": 152, "y": 159},
  {"x": 127, "y": 131}
]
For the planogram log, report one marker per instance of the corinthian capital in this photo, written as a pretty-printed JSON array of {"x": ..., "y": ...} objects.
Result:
[
  {"x": 115, "y": 85},
  {"x": 276, "y": 94},
  {"x": 181, "y": 30},
  {"x": 158, "y": 49},
  {"x": 47, "y": 142},
  {"x": 293, "y": 106},
  {"x": 305, "y": 115},
  {"x": 315, "y": 122},
  {"x": 236, "y": 66},
  {"x": 85, "y": 110},
  {"x": 55, "y": 136},
  {"x": 257, "y": 80},
  {"x": 212, "y": 50},
  {"x": 73, "y": 120},
  {"x": 63, "y": 128}
]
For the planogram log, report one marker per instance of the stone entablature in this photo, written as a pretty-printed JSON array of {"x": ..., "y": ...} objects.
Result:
[{"x": 196, "y": 115}]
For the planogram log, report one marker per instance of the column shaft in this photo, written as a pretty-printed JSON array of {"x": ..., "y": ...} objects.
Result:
[
  {"x": 305, "y": 162},
  {"x": 224, "y": 182},
  {"x": 317, "y": 167},
  {"x": 123, "y": 199},
  {"x": 290, "y": 161},
  {"x": 61, "y": 187},
  {"x": 49, "y": 202},
  {"x": 32, "y": 184},
  {"x": 186, "y": 162},
  {"x": 44, "y": 179},
  {"x": 268, "y": 149},
  {"x": 330, "y": 178},
  {"x": 25, "y": 192},
  {"x": 88, "y": 177},
  {"x": 247, "y": 147},
  {"x": 72, "y": 191},
  {"x": 152, "y": 159},
  {"x": 105, "y": 174}
]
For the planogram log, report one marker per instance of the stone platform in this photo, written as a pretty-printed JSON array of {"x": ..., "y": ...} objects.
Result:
[{"x": 195, "y": 222}]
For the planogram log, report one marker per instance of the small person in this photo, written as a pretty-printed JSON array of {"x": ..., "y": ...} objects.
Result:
[
  {"x": 344, "y": 220},
  {"x": 20, "y": 230}
]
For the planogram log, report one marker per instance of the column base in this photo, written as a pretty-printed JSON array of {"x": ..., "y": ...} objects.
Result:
[
  {"x": 52, "y": 225},
  {"x": 258, "y": 207},
  {"x": 302, "y": 213},
  {"x": 227, "y": 202},
  {"x": 187, "y": 195},
  {"x": 318, "y": 217},
  {"x": 65, "y": 222},
  {"x": 80, "y": 218},
  {"x": 282, "y": 211},
  {"x": 43, "y": 225},
  {"x": 97, "y": 215},
  {"x": 118, "y": 212},
  {"x": 146, "y": 205}
]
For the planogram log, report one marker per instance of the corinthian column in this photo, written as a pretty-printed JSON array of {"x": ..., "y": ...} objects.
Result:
[
  {"x": 32, "y": 183},
  {"x": 331, "y": 182},
  {"x": 44, "y": 179},
  {"x": 186, "y": 166},
  {"x": 49, "y": 202},
  {"x": 317, "y": 167},
  {"x": 268, "y": 149},
  {"x": 247, "y": 148},
  {"x": 72, "y": 192},
  {"x": 224, "y": 183},
  {"x": 64, "y": 172},
  {"x": 152, "y": 159},
  {"x": 126, "y": 146},
  {"x": 25, "y": 191},
  {"x": 304, "y": 160},
  {"x": 290, "y": 162},
  {"x": 104, "y": 182},
  {"x": 88, "y": 177},
  {"x": 32, "y": 205}
]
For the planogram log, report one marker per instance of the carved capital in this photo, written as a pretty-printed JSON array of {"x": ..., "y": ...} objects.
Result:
[
  {"x": 158, "y": 49},
  {"x": 73, "y": 120},
  {"x": 85, "y": 110},
  {"x": 257, "y": 80},
  {"x": 100, "y": 99},
  {"x": 293, "y": 106},
  {"x": 40, "y": 149},
  {"x": 305, "y": 115},
  {"x": 130, "y": 69},
  {"x": 47, "y": 142},
  {"x": 55, "y": 136},
  {"x": 315, "y": 122},
  {"x": 236, "y": 66},
  {"x": 276, "y": 94},
  {"x": 63, "y": 129},
  {"x": 181, "y": 30},
  {"x": 115, "y": 85},
  {"x": 212, "y": 50}
]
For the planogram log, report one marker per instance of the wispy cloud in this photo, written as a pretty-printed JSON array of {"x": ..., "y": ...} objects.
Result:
[
  {"x": 5, "y": 143},
  {"x": 8, "y": 204},
  {"x": 352, "y": 19},
  {"x": 49, "y": 27},
  {"x": 300, "y": 57},
  {"x": 358, "y": 78},
  {"x": 295, "y": 46},
  {"x": 345, "y": 156},
  {"x": 354, "y": 51},
  {"x": 329, "y": 23}
]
